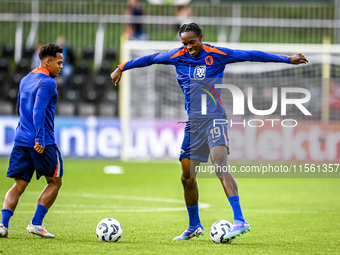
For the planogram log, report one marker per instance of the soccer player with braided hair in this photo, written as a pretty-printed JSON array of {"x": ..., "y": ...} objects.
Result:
[{"x": 199, "y": 67}]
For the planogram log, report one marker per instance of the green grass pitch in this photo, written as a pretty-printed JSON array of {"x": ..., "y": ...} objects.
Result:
[{"x": 287, "y": 216}]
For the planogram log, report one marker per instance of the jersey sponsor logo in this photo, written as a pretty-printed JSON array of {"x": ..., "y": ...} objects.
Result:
[
  {"x": 209, "y": 60},
  {"x": 199, "y": 72}
]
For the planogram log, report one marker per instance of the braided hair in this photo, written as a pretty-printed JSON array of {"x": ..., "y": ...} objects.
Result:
[{"x": 190, "y": 27}]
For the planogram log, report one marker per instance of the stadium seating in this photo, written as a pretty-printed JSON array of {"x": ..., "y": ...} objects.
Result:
[
  {"x": 100, "y": 83},
  {"x": 8, "y": 51},
  {"x": 105, "y": 68},
  {"x": 3, "y": 65},
  {"x": 87, "y": 53},
  {"x": 86, "y": 109},
  {"x": 78, "y": 82},
  {"x": 3, "y": 75},
  {"x": 7, "y": 105},
  {"x": 107, "y": 110},
  {"x": 6, "y": 108},
  {"x": 89, "y": 92},
  {"x": 110, "y": 54},
  {"x": 65, "y": 109},
  {"x": 82, "y": 68},
  {"x": 28, "y": 52},
  {"x": 23, "y": 67}
]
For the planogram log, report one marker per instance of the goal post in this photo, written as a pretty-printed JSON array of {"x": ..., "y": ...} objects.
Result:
[{"x": 152, "y": 93}]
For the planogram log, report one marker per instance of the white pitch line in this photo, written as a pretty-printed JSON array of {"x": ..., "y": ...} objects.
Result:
[
  {"x": 149, "y": 199},
  {"x": 110, "y": 211},
  {"x": 123, "y": 197},
  {"x": 151, "y": 209},
  {"x": 118, "y": 208},
  {"x": 85, "y": 206},
  {"x": 178, "y": 209},
  {"x": 282, "y": 211},
  {"x": 279, "y": 211}
]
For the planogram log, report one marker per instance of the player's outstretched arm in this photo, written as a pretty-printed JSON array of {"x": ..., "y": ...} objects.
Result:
[
  {"x": 116, "y": 75},
  {"x": 298, "y": 59}
]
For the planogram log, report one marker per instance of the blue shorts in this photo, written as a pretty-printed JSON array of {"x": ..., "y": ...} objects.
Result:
[
  {"x": 24, "y": 160},
  {"x": 200, "y": 135}
]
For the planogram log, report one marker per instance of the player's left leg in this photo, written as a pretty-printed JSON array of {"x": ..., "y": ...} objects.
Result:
[
  {"x": 219, "y": 158},
  {"x": 50, "y": 193},
  {"x": 50, "y": 165},
  {"x": 45, "y": 201}
]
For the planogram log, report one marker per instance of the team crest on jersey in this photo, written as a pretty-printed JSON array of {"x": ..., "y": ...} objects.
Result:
[
  {"x": 199, "y": 72},
  {"x": 209, "y": 60}
]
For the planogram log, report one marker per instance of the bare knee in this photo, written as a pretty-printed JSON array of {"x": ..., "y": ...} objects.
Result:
[
  {"x": 20, "y": 186},
  {"x": 188, "y": 182},
  {"x": 188, "y": 174},
  {"x": 219, "y": 156},
  {"x": 19, "y": 189},
  {"x": 55, "y": 182},
  {"x": 58, "y": 184},
  {"x": 219, "y": 161}
]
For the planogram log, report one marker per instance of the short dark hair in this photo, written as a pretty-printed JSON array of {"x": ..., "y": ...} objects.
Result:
[
  {"x": 190, "y": 27},
  {"x": 50, "y": 50}
]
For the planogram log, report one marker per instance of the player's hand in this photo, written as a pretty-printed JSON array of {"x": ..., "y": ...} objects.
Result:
[
  {"x": 116, "y": 75},
  {"x": 39, "y": 148},
  {"x": 298, "y": 59}
]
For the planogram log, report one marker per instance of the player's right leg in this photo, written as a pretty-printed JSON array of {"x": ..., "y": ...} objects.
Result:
[
  {"x": 3, "y": 231},
  {"x": 10, "y": 202},
  {"x": 189, "y": 183},
  {"x": 21, "y": 169},
  {"x": 219, "y": 157}
]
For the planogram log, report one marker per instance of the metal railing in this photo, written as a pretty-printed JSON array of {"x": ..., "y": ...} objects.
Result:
[{"x": 80, "y": 21}]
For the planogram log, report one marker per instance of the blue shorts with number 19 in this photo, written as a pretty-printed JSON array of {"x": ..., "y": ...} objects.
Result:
[{"x": 200, "y": 135}]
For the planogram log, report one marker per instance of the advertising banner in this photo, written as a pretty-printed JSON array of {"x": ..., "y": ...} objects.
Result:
[{"x": 94, "y": 137}]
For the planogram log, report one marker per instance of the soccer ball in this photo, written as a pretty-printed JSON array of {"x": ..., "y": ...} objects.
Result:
[
  {"x": 218, "y": 231},
  {"x": 109, "y": 230}
]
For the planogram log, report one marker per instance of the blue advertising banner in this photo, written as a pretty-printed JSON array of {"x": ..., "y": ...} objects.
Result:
[
  {"x": 76, "y": 137},
  {"x": 92, "y": 137}
]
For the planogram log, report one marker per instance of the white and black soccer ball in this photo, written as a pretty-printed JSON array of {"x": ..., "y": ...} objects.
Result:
[
  {"x": 218, "y": 230},
  {"x": 109, "y": 230}
]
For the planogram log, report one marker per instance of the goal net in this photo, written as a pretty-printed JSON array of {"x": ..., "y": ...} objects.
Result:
[{"x": 151, "y": 95}]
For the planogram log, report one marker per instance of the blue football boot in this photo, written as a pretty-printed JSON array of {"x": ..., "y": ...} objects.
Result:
[
  {"x": 191, "y": 232},
  {"x": 237, "y": 229}
]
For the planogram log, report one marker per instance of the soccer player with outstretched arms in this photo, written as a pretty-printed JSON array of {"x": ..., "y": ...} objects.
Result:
[
  {"x": 35, "y": 148},
  {"x": 201, "y": 65}
]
